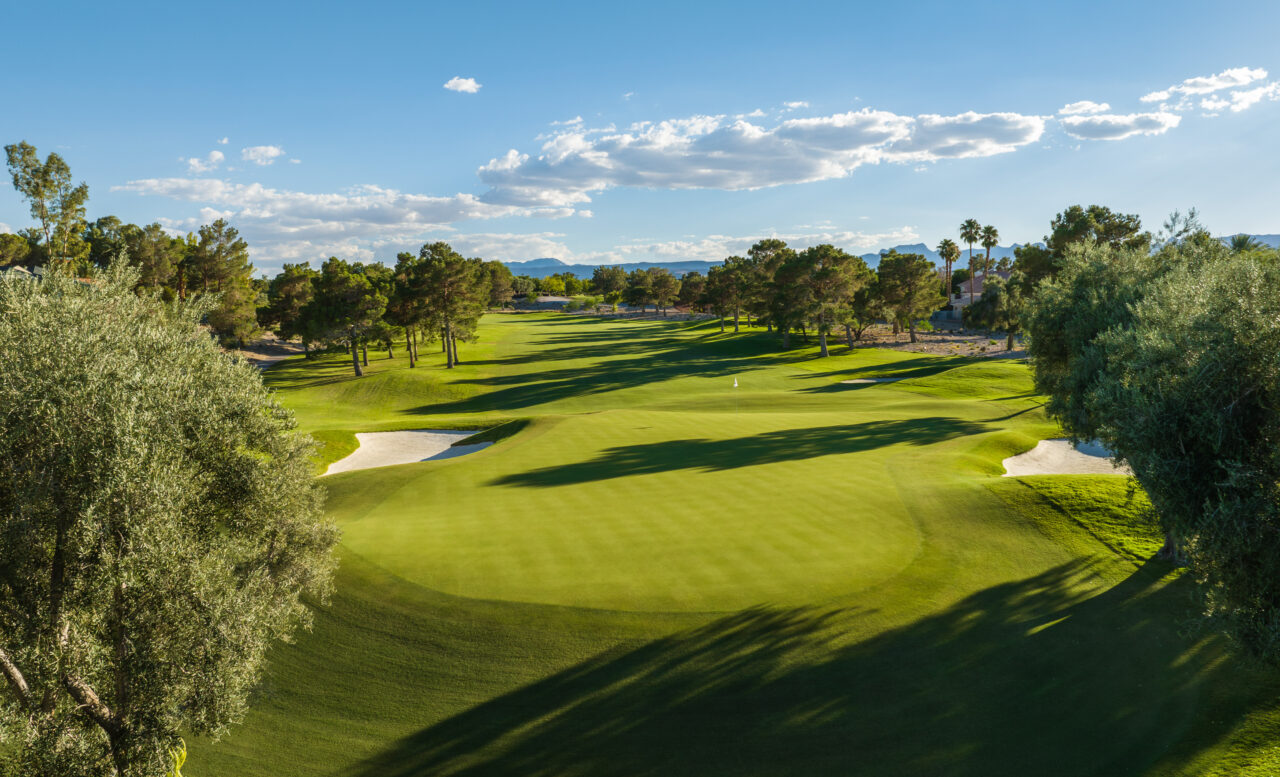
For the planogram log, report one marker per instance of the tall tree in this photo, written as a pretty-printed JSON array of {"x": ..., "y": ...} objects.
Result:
[
  {"x": 14, "y": 249},
  {"x": 833, "y": 277},
  {"x": 457, "y": 291},
  {"x": 718, "y": 292},
  {"x": 907, "y": 286},
  {"x": 160, "y": 539},
  {"x": 344, "y": 304},
  {"x": 56, "y": 203},
  {"x": 639, "y": 289},
  {"x": 949, "y": 252},
  {"x": 105, "y": 239},
  {"x": 500, "y": 290},
  {"x": 665, "y": 286},
  {"x": 154, "y": 253},
  {"x": 218, "y": 263},
  {"x": 990, "y": 239},
  {"x": 766, "y": 256},
  {"x": 693, "y": 285},
  {"x": 999, "y": 308},
  {"x": 1243, "y": 244},
  {"x": 790, "y": 296},
  {"x": 971, "y": 232},
  {"x": 287, "y": 298},
  {"x": 1095, "y": 225}
]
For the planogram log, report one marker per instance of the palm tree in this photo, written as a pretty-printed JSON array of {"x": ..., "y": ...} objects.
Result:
[
  {"x": 970, "y": 231},
  {"x": 1243, "y": 243},
  {"x": 990, "y": 239},
  {"x": 949, "y": 252}
]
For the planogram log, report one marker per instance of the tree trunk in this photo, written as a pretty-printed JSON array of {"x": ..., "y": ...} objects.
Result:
[
  {"x": 822, "y": 341},
  {"x": 355, "y": 354},
  {"x": 786, "y": 337},
  {"x": 972, "y": 278},
  {"x": 848, "y": 335},
  {"x": 911, "y": 328},
  {"x": 735, "y": 321},
  {"x": 390, "y": 353},
  {"x": 722, "y": 325},
  {"x": 454, "y": 341},
  {"x": 364, "y": 352},
  {"x": 1008, "y": 346},
  {"x": 408, "y": 346},
  {"x": 448, "y": 352}
]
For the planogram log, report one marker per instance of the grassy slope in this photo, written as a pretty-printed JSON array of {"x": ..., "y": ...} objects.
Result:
[{"x": 664, "y": 575}]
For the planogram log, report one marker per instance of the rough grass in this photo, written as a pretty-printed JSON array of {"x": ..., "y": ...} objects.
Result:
[{"x": 661, "y": 574}]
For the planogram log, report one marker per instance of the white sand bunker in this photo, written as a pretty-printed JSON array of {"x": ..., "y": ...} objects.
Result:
[
  {"x": 1060, "y": 457},
  {"x": 383, "y": 449},
  {"x": 871, "y": 380}
]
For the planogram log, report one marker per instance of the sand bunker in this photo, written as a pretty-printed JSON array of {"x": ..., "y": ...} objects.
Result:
[
  {"x": 1060, "y": 457},
  {"x": 383, "y": 449},
  {"x": 871, "y": 380}
]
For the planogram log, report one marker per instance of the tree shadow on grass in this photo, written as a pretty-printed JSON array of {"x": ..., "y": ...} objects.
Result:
[
  {"x": 1046, "y": 676},
  {"x": 716, "y": 455}
]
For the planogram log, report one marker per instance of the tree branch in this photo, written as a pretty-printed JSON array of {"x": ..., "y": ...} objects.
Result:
[
  {"x": 16, "y": 681},
  {"x": 89, "y": 701}
]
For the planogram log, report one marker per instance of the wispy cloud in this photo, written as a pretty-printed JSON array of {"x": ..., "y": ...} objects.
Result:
[
  {"x": 1227, "y": 79},
  {"x": 261, "y": 155},
  {"x": 1242, "y": 99},
  {"x": 223, "y": 141},
  {"x": 460, "y": 84},
  {"x": 203, "y": 165}
]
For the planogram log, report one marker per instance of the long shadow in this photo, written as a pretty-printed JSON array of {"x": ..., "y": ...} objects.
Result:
[
  {"x": 716, "y": 455},
  {"x": 1038, "y": 677},
  {"x": 535, "y": 388}
]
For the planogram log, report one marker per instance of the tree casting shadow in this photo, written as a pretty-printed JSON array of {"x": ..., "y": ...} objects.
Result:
[
  {"x": 716, "y": 455},
  {"x": 1037, "y": 677}
]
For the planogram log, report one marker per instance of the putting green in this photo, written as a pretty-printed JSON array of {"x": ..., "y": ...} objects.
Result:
[{"x": 663, "y": 574}]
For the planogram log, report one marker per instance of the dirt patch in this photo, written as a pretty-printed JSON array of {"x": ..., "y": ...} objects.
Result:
[{"x": 264, "y": 352}]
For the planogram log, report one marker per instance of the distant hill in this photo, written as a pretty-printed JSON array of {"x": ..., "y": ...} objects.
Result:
[
  {"x": 541, "y": 268},
  {"x": 1271, "y": 241}
]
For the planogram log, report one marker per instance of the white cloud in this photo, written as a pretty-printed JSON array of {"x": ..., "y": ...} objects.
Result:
[
  {"x": 261, "y": 155},
  {"x": 713, "y": 248},
  {"x": 628, "y": 95},
  {"x": 5, "y": 229},
  {"x": 1119, "y": 126},
  {"x": 223, "y": 141},
  {"x": 1242, "y": 99},
  {"x": 718, "y": 152},
  {"x": 284, "y": 225},
  {"x": 460, "y": 84},
  {"x": 576, "y": 120},
  {"x": 795, "y": 105},
  {"x": 1083, "y": 107},
  {"x": 1227, "y": 79},
  {"x": 295, "y": 161},
  {"x": 210, "y": 162}
]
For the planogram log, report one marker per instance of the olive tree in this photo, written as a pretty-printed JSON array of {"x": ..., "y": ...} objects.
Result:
[{"x": 159, "y": 528}]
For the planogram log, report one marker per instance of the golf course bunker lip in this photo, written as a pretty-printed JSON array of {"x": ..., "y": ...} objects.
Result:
[
  {"x": 1060, "y": 457},
  {"x": 385, "y": 449},
  {"x": 861, "y": 381}
]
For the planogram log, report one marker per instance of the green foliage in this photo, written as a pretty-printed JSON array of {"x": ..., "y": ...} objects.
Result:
[
  {"x": 908, "y": 288},
  {"x": 56, "y": 204},
  {"x": 999, "y": 308},
  {"x": 158, "y": 528},
  {"x": 1096, "y": 225}
]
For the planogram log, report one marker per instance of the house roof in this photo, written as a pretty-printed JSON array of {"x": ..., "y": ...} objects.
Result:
[{"x": 977, "y": 282}]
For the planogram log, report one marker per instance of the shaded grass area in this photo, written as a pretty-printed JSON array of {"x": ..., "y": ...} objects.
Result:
[{"x": 660, "y": 574}]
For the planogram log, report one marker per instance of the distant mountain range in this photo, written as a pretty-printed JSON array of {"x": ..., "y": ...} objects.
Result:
[{"x": 541, "y": 268}]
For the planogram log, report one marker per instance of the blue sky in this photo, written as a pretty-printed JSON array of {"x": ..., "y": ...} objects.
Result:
[{"x": 610, "y": 132}]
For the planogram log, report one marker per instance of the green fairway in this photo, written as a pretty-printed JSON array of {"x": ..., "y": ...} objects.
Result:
[{"x": 662, "y": 573}]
